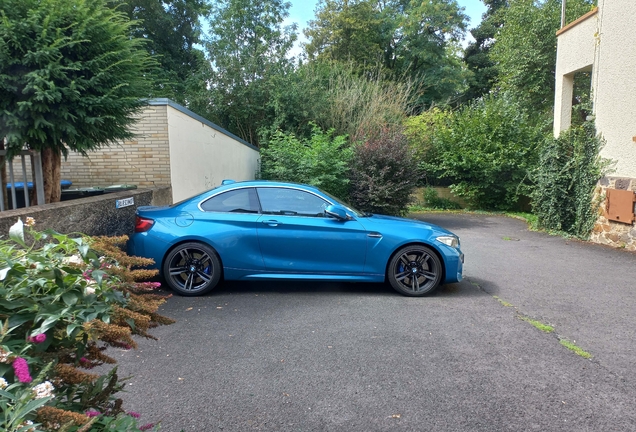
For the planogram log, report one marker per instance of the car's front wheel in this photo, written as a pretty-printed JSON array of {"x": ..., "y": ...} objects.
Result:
[
  {"x": 414, "y": 271},
  {"x": 192, "y": 269}
]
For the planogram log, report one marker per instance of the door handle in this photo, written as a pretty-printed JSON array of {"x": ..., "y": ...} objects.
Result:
[
  {"x": 374, "y": 235},
  {"x": 271, "y": 222}
]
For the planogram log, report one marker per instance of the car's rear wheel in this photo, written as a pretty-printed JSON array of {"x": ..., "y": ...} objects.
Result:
[
  {"x": 192, "y": 269},
  {"x": 415, "y": 271}
]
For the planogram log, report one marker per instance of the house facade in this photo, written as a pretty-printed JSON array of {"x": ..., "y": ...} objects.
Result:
[
  {"x": 173, "y": 147},
  {"x": 603, "y": 42}
]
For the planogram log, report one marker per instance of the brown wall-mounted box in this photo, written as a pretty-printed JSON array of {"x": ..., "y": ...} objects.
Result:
[{"x": 619, "y": 205}]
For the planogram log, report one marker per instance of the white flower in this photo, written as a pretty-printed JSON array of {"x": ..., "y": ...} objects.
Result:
[
  {"x": 90, "y": 290},
  {"x": 43, "y": 390},
  {"x": 73, "y": 259},
  {"x": 29, "y": 221},
  {"x": 4, "y": 356},
  {"x": 28, "y": 423},
  {"x": 3, "y": 383}
]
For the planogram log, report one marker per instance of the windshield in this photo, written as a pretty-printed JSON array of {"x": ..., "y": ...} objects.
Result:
[{"x": 356, "y": 213}]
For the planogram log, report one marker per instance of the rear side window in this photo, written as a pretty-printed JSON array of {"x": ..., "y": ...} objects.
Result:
[{"x": 234, "y": 201}]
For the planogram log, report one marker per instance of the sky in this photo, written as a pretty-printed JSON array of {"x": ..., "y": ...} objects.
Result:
[{"x": 302, "y": 11}]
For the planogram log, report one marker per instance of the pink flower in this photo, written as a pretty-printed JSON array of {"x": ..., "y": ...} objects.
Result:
[
  {"x": 147, "y": 426},
  {"x": 92, "y": 413},
  {"x": 83, "y": 360},
  {"x": 134, "y": 414},
  {"x": 21, "y": 369},
  {"x": 148, "y": 285},
  {"x": 39, "y": 338}
]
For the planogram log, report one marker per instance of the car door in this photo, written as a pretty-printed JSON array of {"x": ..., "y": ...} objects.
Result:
[
  {"x": 296, "y": 236},
  {"x": 228, "y": 221}
]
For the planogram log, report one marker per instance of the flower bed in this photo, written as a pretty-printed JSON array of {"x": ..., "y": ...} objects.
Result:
[{"x": 64, "y": 299}]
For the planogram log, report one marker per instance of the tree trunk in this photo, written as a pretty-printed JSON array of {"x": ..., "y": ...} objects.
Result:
[{"x": 51, "y": 172}]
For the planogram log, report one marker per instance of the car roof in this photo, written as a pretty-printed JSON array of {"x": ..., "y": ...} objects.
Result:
[{"x": 269, "y": 183}]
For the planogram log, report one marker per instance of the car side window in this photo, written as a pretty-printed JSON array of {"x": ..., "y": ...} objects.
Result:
[
  {"x": 234, "y": 201},
  {"x": 292, "y": 202}
]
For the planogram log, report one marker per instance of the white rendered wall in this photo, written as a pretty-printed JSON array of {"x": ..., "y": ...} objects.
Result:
[
  {"x": 614, "y": 83},
  {"x": 201, "y": 156},
  {"x": 575, "y": 53}
]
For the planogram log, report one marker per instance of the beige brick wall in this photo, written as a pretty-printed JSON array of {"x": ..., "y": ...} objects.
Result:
[{"x": 143, "y": 161}]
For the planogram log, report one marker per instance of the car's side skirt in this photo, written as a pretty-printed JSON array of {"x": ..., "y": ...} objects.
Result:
[{"x": 239, "y": 274}]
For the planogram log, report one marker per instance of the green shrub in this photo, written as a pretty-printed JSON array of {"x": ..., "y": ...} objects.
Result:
[
  {"x": 422, "y": 131},
  {"x": 322, "y": 161},
  {"x": 434, "y": 201},
  {"x": 383, "y": 173},
  {"x": 486, "y": 151},
  {"x": 568, "y": 171},
  {"x": 61, "y": 305}
]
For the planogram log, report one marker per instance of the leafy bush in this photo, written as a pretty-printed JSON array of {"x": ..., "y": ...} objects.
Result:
[
  {"x": 322, "y": 161},
  {"x": 421, "y": 131},
  {"x": 485, "y": 150},
  {"x": 434, "y": 201},
  {"x": 569, "y": 169},
  {"x": 62, "y": 304},
  {"x": 383, "y": 173}
]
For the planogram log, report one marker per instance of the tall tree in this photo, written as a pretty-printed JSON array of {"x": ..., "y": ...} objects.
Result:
[
  {"x": 172, "y": 29},
  {"x": 525, "y": 48},
  {"x": 413, "y": 39},
  {"x": 248, "y": 46},
  {"x": 347, "y": 31},
  {"x": 71, "y": 78},
  {"x": 477, "y": 53}
]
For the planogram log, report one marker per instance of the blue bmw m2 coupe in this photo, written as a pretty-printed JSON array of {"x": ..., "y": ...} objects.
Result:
[{"x": 272, "y": 230}]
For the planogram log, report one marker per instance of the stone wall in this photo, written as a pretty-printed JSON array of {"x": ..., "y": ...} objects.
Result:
[
  {"x": 143, "y": 161},
  {"x": 609, "y": 232},
  {"x": 97, "y": 215}
]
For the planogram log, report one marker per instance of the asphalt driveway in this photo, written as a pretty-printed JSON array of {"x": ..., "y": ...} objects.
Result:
[{"x": 360, "y": 357}]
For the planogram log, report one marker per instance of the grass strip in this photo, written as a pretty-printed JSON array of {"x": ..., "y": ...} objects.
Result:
[
  {"x": 538, "y": 324},
  {"x": 576, "y": 349}
]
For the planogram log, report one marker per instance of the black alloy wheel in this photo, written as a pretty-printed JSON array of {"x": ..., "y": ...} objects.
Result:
[
  {"x": 415, "y": 271},
  {"x": 192, "y": 269}
]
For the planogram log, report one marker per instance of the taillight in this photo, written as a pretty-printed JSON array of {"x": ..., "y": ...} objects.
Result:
[{"x": 143, "y": 224}]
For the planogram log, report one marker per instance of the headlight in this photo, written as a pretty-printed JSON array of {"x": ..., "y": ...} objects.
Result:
[{"x": 451, "y": 241}]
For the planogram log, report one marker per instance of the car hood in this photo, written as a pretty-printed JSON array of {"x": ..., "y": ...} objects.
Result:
[{"x": 399, "y": 222}]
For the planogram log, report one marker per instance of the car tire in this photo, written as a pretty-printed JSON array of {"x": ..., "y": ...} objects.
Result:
[
  {"x": 415, "y": 271},
  {"x": 192, "y": 269}
]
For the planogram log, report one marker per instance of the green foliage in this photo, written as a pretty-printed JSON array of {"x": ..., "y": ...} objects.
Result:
[
  {"x": 361, "y": 105},
  {"x": 300, "y": 98},
  {"x": 525, "y": 48},
  {"x": 383, "y": 173},
  {"x": 413, "y": 40},
  {"x": 172, "y": 29},
  {"x": 434, "y": 201},
  {"x": 422, "y": 132},
  {"x": 477, "y": 53},
  {"x": 347, "y": 31},
  {"x": 247, "y": 48},
  {"x": 18, "y": 404},
  {"x": 71, "y": 77},
  {"x": 322, "y": 161},
  {"x": 61, "y": 305},
  {"x": 568, "y": 171},
  {"x": 485, "y": 151}
]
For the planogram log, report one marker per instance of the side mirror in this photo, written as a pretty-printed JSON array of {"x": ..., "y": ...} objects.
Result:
[{"x": 337, "y": 212}]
